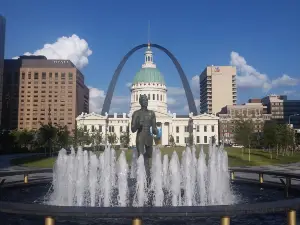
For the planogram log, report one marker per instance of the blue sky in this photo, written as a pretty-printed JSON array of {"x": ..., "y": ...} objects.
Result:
[{"x": 260, "y": 37}]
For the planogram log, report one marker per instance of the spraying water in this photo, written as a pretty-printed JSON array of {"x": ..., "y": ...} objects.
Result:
[{"x": 84, "y": 179}]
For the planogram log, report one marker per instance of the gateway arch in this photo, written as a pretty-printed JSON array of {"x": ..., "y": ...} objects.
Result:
[{"x": 185, "y": 83}]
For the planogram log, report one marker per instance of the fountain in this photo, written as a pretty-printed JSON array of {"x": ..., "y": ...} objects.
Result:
[{"x": 84, "y": 179}]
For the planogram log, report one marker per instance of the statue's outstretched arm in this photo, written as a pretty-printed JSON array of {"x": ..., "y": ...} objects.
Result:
[
  {"x": 134, "y": 124},
  {"x": 153, "y": 124}
]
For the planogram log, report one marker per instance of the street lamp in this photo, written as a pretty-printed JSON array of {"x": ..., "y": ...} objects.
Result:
[{"x": 297, "y": 114}]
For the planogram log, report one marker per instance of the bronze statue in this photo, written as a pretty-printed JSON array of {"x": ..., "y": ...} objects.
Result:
[{"x": 142, "y": 120}]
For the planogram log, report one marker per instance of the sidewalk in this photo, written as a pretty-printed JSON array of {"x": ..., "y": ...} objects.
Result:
[
  {"x": 6, "y": 166},
  {"x": 289, "y": 168}
]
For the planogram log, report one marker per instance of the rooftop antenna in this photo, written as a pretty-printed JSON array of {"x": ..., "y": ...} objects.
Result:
[{"x": 148, "y": 33}]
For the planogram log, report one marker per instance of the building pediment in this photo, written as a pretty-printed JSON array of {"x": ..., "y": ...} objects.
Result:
[
  {"x": 205, "y": 117},
  {"x": 161, "y": 114},
  {"x": 90, "y": 116}
]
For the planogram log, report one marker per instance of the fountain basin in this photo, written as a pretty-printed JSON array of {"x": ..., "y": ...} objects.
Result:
[{"x": 255, "y": 198}]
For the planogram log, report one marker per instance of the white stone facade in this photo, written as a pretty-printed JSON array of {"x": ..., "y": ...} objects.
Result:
[
  {"x": 205, "y": 126},
  {"x": 156, "y": 93}
]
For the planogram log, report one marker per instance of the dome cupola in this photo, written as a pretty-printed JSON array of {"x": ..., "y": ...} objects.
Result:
[
  {"x": 149, "y": 73},
  {"x": 149, "y": 81}
]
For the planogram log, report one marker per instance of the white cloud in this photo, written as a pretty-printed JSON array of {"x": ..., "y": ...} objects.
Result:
[
  {"x": 72, "y": 48},
  {"x": 171, "y": 101},
  {"x": 289, "y": 92},
  {"x": 175, "y": 91},
  {"x": 119, "y": 104},
  {"x": 285, "y": 80},
  {"x": 249, "y": 77},
  {"x": 97, "y": 97},
  {"x": 195, "y": 86}
]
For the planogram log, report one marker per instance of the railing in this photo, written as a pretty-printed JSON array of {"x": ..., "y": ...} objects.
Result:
[{"x": 136, "y": 213}]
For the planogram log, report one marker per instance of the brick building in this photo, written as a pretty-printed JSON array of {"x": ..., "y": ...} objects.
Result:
[{"x": 37, "y": 90}]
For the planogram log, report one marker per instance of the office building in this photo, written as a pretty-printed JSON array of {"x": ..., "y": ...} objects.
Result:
[
  {"x": 283, "y": 110},
  {"x": 274, "y": 105},
  {"x": 217, "y": 88},
  {"x": 253, "y": 110},
  {"x": 38, "y": 91},
  {"x": 2, "y": 46}
]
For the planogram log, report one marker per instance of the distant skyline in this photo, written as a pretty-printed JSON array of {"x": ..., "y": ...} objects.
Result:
[{"x": 260, "y": 38}]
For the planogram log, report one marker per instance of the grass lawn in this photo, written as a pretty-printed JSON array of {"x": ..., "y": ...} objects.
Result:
[{"x": 235, "y": 156}]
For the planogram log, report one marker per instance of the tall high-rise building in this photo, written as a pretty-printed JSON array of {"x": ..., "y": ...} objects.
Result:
[
  {"x": 38, "y": 90},
  {"x": 2, "y": 45},
  {"x": 217, "y": 88}
]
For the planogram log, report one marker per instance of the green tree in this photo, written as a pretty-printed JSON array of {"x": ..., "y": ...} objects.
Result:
[
  {"x": 47, "y": 135},
  {"x": 97, "y": 138},
  {"x": 62, "y": 137},
  {"x": 83, "y": 137},
  {"x": 125, "y": 139},
  {"x": 243, "y": 134},
  {"x": 23, "y": 138},
  {"x": 286, "y": 138},
  {"x": 270, "y": 134},
  {"x": 112, "y": 138}
]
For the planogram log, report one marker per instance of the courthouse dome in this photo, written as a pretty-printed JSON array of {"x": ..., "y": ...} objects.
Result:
[{"x": 149, "y": 75}]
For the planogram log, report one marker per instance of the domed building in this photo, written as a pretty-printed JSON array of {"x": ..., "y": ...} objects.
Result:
[{"x": 150, "y": 81}]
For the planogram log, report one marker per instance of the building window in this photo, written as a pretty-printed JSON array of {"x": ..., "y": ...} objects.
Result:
[
  {"x": 198, "y": 139},
  {"x": 93, "y": 128},
  {"x": 186, "y": 129},
  {"x": 205, "y": 139},
  {"x": 111, "y": 129},
  {"x": 177, "y": 129},
  {"x": 36, "y": 76},
  {"x": 121, "y": 129},
  {"x": 186, "y": 140},
  {"x": 198, "y": 128},
  {"x": 63, "y": 76},
  {"x": 153, "y": 97},
  {"x": 85, "y": 128},
  {"x": 43, "y": 75},
  {"x": 100, "y": 128},
  {"x": 177, "y": 139},
  {"x": 205, "y": 128},
  {"x": 56, "y": 76},
  {"x": 70, "y": 76},
  {"x": 50, "y": 75},
  {"x": 212, "y": 128},
  {"x": 23, "y": 76}
]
